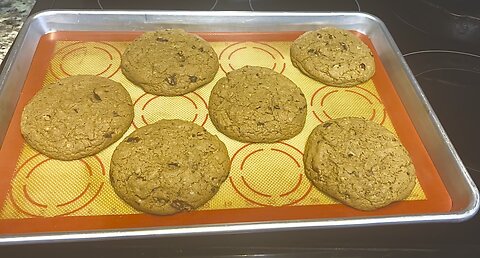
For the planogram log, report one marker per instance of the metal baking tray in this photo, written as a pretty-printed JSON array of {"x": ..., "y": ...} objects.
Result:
[{"x": 460, "y": 187}]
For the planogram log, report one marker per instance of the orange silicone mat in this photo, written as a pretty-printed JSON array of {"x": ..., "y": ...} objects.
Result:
[{"x": 266, "y": 182}]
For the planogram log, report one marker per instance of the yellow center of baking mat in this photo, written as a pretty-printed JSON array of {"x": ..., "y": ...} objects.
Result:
[{"x": 261, "y": 175}]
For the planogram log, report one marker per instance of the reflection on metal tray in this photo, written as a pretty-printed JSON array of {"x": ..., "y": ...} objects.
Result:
[{"x": 244, "y": 203}]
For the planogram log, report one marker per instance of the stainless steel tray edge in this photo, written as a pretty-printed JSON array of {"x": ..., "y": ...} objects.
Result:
[
  {"x": 11, "y": 75},
  {"x": 219, "y": 229},
  {"x": 14, "y": 74}
]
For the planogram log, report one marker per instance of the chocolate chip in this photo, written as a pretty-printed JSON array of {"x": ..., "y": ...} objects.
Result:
[
  {"x": 173, "y": 165},
  {"x": 363, "y": 66},
  {"x": 96, "y": 97},
  {"x": 108, "y": 135},
  {"x": 160, "y": 39},
  {"x": 181, "y": 205},
  {"x": 133, "y": 139},
  {"x": 172, "y": 79},
  {"x": 193, "y": 78},
  {"x": 350, "y": 154},
  {"x": 326, "y": 125},
  {"x": 181, "y": 56},
  {"x": 198, "y": 134}
]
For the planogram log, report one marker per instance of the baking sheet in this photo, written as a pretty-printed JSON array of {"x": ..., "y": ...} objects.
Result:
[
  {"x": 17, "y": 82},
  {"x": 266, "y": 182}
]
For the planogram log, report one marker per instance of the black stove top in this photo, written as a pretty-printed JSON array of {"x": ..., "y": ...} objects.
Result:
[{"x": 440, "y": 41}]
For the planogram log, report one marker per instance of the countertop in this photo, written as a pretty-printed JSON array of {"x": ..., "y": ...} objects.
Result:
[{"x": 12, "y": 15}]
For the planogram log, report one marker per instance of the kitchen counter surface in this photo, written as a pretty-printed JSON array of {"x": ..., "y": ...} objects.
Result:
[{"x": 12, "y": 16}]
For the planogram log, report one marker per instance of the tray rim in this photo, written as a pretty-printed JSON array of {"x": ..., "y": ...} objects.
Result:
[{"x": 457, "y": 216}]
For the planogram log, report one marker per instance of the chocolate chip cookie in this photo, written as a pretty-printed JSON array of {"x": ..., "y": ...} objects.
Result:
[
  {"x": 169, "y": 62},
  {"x": 359, "y": 163},
  {"x": 333, "y": 56},
  {"x": 76, "y": 117},
  {"x": 168, "y": 167},
  {"x": 257, "y": 104}
]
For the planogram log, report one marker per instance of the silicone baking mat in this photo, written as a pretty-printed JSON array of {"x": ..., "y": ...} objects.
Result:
[{"x": 266, "y": 182}]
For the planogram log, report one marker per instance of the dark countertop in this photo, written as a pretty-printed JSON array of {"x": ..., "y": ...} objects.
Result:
[{"x": 439, "y": 40}]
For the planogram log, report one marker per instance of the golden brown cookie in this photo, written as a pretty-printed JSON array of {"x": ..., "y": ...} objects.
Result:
[
  {"x": 359, "y": 163},
  {"x": 333, "y": 56},
  {"x": 257, "y": 104},
  {"x": 77, "y": 117},
  {"x": 168, "y": 167},
  {"x": 169, "y": 62}
]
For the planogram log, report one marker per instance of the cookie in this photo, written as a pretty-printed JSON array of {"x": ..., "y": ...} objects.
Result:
[
  {"x": 257, "y": 104},
  {"x": 76, "y": 117},
  {"x": 168, "y": 167},
  {"x": 358, "y": 162},
  {"x": 169, "y": 62},
  {"x": 333, "y": 56}
]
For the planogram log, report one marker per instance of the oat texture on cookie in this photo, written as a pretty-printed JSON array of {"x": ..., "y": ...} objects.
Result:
[
  {"x": 168, "y": 167},
  {"x": 169, "y": 62},
  {"x": 359, "y": 163},
  {"x": 76, "y": 117},
  {"x": 333, "y": 56},
  {"x": 257, "y": 104}
]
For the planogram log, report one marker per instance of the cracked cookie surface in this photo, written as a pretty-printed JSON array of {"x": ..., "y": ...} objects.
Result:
[
  {"x": 76, "y": 117},
  {"x": 168, "y": 167},
  {"x": 169, "y": 62},
  {"x": 333, "y": 56},
  {"x": 359, "y": 163},
  {"x": 257, "y": 104}
]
